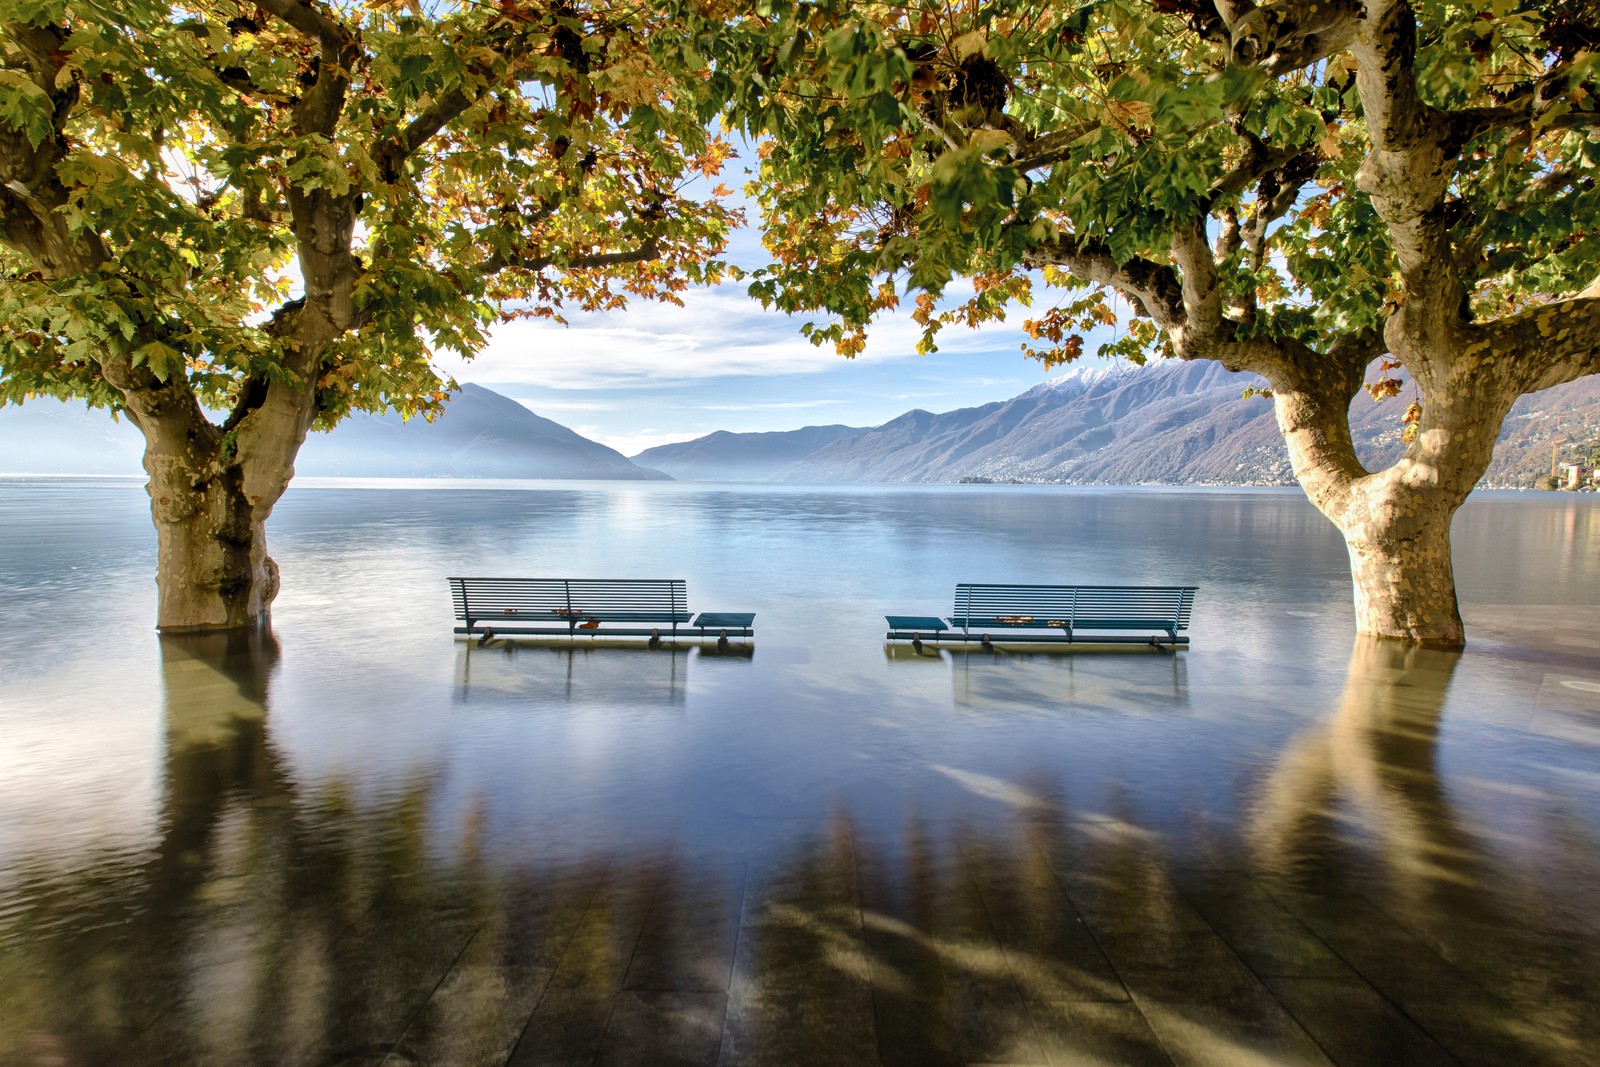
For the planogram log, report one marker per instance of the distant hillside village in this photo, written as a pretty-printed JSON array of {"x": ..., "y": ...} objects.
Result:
[{"x": 1581, "y": 477}]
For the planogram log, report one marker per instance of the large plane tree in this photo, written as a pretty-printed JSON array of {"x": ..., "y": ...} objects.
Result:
[
  {"x": 230, "y": 222},
  {"x": 1321, "y": 192}
]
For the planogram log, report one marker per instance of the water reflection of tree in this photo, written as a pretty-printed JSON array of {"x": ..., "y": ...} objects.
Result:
[
  {"x": 282, "y": 923},
  {"x": 1356, "y": 831},
  {"x": 267, "y": 926}
]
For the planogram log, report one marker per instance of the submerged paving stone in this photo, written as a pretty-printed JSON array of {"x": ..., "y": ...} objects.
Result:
[
  {"x": 1078, "y": 1033},
  {"x": 357, "y": 841}
]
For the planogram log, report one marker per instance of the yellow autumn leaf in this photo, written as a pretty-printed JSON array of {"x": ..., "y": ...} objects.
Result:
[
  {"x": 969, "y": 44},
  {"x": 988, "y": 140},
  {"x": 1129, "y": 114},
  {"x": 1331, "y": 146}
]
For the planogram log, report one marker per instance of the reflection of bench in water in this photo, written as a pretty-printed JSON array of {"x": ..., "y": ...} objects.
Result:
[
  {"x": 1042, "y": 614},
  {"x": 1020, "y": 684},
  {"x": 575, "y": 675},
  {"x": 586, "y": 607}
]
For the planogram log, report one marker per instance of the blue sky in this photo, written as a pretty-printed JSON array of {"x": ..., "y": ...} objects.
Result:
[{"x": 657, "y": 373}]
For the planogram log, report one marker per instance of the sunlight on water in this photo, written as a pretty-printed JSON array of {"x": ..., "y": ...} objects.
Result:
[{"x": 360, "y": 835}]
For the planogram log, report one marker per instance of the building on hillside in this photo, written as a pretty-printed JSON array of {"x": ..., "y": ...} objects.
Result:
[{"x": 1579, "y": 476}]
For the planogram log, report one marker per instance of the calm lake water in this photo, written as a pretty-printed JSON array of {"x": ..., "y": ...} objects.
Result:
[{"x": 363, "y": 840}]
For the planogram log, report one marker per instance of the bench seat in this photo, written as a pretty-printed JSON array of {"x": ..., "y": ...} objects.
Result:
[
  {"x": 734, "y": 623},
  {"x": 922, "y": 623},
  {"x": 1002, "y": 622}
]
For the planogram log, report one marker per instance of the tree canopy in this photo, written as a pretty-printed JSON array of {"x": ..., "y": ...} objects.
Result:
[
  {"x": 1102, "y": 140},
  {"x": 167, "y": 172},
  {"x": 1297, "y": 189},
  {"x": 279, "y": 211}
]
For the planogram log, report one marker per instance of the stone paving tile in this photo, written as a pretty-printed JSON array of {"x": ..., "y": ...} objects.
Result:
[
  {"x": 664, "y": 1029},
  {"x": 1052, "y": 954},
  {"x": 827, "y": 1025},
  {"x": 1092, "y": 1034},
  {"x": 601, "y": 948},
  {"x": 1355, "y": 1025},
  {"x": 913, "y": 920},
  {"x": 345, "y": 999},
  {"x": 1227, "y": 1031},
  {"x": 1384, "y": 951},
  {"x": 991, "y": 1019},
  {"x": 480, "y": 1009},
  {"x": 566, "y": 1029},
  {"x": 801, "y": 992},
  {"x": 1263, "y": 934},
  {"x": 1481, "y": 1033},
  {"x": 907, "y": 984},
  {"x": 688, "y": 939}
]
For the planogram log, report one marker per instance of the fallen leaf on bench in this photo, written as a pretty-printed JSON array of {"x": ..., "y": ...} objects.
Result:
[
  {"x": 590, "y": 624},
  {"x": 1014, "y": 620}
]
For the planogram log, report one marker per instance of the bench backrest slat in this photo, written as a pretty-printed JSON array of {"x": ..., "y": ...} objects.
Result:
[
  {"x": 481, "y": 598},
  {"x": 1076, "y": 605}
]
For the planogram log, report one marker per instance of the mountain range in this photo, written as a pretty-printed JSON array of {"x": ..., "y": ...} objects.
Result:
[
  {"x": 481, "y": 435},
  {"x": 1168, "y": 423}
]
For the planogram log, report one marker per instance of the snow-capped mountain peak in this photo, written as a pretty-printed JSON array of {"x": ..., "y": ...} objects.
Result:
[{"x": 1082, "y": 378}]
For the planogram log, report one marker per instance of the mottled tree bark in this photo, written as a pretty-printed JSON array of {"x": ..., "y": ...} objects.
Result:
[
  {"x": 1400, "y": 566},
  {"x": 1396, "y": 522},
  {"x": 212, "y": 571}
]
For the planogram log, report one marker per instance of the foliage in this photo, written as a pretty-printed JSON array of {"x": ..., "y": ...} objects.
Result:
[
  {"x": 456, "y": 164},
  {"x": 1055, "y": 154}
]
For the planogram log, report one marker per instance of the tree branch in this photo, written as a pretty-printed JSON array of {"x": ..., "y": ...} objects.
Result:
[
  {"x": 1230, "y": 237},
  {"x": 1525, "y": 104},
  {"x": 304, "y": 16},
  {"x": 1311, "y": 395},
  {"x": 1052, "y": 147},
  {"x": 320, "y": 105},
  {"x": 1408, "y": 169},
  {"x": 1202, "y": 291},
  {"x": 650, "y": 249},
  {"x": 1385, "y": 49},
  {"x": 1290, "y": 34},
  {"x": 392, "y": 155},
  {"x": 1550, "y": 344},
  {"x": 1471, "y": 122},
  {"x": 1259, "y": 161},
  {"x": 1153, "y": 287}
]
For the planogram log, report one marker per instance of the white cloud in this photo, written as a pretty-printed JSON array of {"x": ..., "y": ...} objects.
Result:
[
  {"x": 771, "y": 405},
  {"x": 631, "y": 444},
  {"x": 719, "y": 333},
  {"x": 544, "y": 405}
]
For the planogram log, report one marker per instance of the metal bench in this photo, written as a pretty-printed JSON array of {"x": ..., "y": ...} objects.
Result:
[
  {"x": 1097, "y": 614},
  {"x": 579, "y": 607}
]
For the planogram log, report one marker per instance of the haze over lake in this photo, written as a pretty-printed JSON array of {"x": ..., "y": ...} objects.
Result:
[{"x": 178, "y": 817}]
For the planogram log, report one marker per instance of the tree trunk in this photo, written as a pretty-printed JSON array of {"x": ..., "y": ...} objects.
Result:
[
  {"x": 1399, "y": 542},
  {"x": 1396, "y": 523},
  {"x": 212, "y": 570}
]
